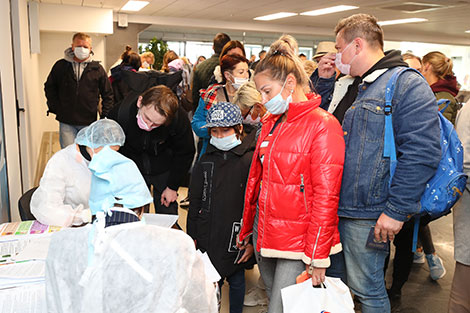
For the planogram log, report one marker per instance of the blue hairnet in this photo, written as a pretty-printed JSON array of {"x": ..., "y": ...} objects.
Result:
[
  {"x": 116, "y": 179},
  {"x": 101, "y": 133}
]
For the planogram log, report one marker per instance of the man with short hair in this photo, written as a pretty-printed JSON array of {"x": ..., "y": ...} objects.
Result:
[
  {"x": 261, "y": 55},
  {"x": 73, "y": 89},
  {"x": 203, "y": 72},
  {"x": 371, "y": 204}
]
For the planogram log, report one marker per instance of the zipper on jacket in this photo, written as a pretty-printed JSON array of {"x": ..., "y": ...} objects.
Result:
[
  {"x": 316, "y": 243},
  {"x": 302, "y": 190},
  {"x": 269, "y": 170}
]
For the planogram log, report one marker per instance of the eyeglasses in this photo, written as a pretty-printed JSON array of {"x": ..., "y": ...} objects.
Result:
[{"x": 249, "y": 112}]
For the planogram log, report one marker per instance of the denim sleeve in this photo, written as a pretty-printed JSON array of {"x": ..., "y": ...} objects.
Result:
[
  {"x": 417, "y": 139},
  {"x": 324, "y": 87},
  {"x": 199, "y": 120}
]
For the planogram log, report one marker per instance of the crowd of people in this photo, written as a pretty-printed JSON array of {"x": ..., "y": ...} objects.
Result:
[{"x": 286, "y": 162}]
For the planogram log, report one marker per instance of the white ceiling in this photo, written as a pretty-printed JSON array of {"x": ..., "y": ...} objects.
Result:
[{"x": 445, "y": 25}]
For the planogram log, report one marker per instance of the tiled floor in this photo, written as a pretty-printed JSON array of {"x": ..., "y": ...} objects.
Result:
[{"x": 420, "y": 294}]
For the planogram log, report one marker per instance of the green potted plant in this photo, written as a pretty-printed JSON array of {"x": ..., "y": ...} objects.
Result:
[{"x": 158, "y": 47}]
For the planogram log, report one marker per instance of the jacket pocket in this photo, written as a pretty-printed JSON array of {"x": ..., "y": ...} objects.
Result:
[{"x": 372, "y": 121}]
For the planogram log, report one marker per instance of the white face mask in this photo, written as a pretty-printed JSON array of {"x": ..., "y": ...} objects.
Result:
[
  {"x": 81, "y": 53},
  {"x": 344, "y": 68},
  {"x": 145, "y": 65},
  {"x": 225, "y": 143},
  {"x": 279, "y": 105},
  {"x": 238, "y": 82}
]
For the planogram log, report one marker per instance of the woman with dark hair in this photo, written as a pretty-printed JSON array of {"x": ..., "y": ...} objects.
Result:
[
  {"x": 233, "y": 47},
  {"x": 130, "y": 62},
  {"x": 234, "y": 70}
]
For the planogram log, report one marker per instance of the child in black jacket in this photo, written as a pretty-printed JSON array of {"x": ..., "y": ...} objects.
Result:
[{"x": 217, "y": 192}]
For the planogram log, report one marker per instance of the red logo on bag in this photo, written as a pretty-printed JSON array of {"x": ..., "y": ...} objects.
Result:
[{"x": 324, "y": 312}]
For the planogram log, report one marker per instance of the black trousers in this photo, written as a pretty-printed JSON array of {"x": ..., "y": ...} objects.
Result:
[
  {"x": 159, "y": 183},
  {"x": 403, "y": 260}
]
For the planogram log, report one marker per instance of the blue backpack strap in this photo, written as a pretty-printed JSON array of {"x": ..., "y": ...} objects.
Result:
[
  {"x": 442, "y": 101},
  {"x": 389, "y": 138},
  {"x": 415, "y": 234}
]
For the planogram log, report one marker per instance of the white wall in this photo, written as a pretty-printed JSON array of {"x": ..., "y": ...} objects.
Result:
[{"x": 9, "y": 109}]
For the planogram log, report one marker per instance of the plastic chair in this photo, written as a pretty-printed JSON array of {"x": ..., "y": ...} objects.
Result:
[{"x": 23, "y": 205}]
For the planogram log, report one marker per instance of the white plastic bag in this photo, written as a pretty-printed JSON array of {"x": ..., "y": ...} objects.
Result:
[{"x": 303, "y": 298}]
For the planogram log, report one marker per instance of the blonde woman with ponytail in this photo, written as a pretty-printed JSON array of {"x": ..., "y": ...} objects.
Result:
[
  {"x": 292, "y": 192},
  {"x": 437, "y": 69}
]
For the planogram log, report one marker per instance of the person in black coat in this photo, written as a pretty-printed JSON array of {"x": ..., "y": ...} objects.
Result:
[
  {"x": 160, "y": 141},
  {"x": 216, "y": 199},
  {"x": 74, "y": 87}
]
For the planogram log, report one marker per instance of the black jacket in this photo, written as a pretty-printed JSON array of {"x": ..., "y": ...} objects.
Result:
[
  {"x": 76, "y": 102},
  {"x": 166, "y": 148},
  {"x": 216, "y": 198}
]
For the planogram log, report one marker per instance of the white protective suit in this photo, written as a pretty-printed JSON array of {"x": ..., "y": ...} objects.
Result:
[
  {"x": 137, "y": 268},
  {"x": 64, "y": 189}
]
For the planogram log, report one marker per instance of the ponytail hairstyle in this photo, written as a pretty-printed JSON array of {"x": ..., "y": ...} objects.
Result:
[
  {"x": 441, "y": 65},
  {"x": 281, "y": 60}
]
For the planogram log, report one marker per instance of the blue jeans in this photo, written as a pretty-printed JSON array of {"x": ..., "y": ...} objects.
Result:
[
  {"x": 67, "y": 134},
  {"x": 236, "y": 290},
  {"x": 365, "y": 266}
]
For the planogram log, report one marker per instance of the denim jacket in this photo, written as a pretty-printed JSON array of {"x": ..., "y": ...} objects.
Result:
[{"x": 366, "y": 191}]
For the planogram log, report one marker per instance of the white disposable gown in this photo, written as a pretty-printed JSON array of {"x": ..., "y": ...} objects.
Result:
[
  {"x": 137, "y": 268},
  {"x": 64, "y": 188}
]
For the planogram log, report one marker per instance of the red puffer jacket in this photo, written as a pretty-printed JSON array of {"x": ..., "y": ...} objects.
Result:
[{"x": 301, "y": 180}]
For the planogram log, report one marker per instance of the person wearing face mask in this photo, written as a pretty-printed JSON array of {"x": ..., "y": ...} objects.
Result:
[
  {"x": 119, "y": 263},
  {"x": 216, "y": 203},
  {"x": 370, "y": 203},
  {"x": 231, "y": 48},
  {"x": 63, "y": 193},
  {"x": 292, "y": 190},
  {"x": 147, "y": 59},
  {"x": 234, "y": 70},
  {"x": 74, "y": 88},
  {"x": 160, "y": 141},
  {"x": 248, "y": 100}
]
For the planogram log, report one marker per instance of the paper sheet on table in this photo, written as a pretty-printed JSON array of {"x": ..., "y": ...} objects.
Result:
[
  {"x": 23, "y": 271},
  {"x": 25, "y": 299},
  {"x": 36, "y": 249},
  {"x": 162, "y": 220},
  {"x": 211, "y": 273}
]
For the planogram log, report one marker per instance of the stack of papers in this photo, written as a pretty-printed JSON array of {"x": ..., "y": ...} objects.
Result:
[
  {"x": 28, "y": 299},
  {"x": 22, "y": 273}
]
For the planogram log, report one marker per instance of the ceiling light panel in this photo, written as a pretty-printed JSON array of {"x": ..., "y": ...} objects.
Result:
[
  {"x": 274, "y": 16},
  {"x": 335, "y": 9},
  {"x": 402, "y": 21},
  {"x": 134, "y": 5}
]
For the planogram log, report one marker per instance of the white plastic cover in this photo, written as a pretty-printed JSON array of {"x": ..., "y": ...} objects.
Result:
[{"x": 139, "y": 268}]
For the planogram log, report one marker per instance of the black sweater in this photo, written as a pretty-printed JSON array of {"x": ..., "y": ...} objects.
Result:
[{"x": 166, "y": 148}]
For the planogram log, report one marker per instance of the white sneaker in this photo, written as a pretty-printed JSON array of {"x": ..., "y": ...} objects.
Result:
[
  {"x": 251, "y": 297},
  {"x": 255, "y": 296}
]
